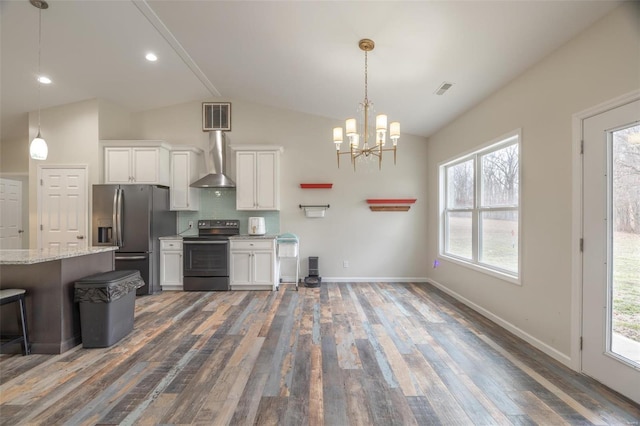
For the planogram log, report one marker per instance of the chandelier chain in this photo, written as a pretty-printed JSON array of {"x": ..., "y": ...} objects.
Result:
[{"x": 366, "y": 84}]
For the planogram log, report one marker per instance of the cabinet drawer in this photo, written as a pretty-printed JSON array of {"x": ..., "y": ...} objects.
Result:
[
  {"x": 252, "y": 245},
  {"x": 170, "y": 244}
]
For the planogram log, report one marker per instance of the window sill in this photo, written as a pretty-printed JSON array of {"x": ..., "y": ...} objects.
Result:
[{"x": 512, "y": 279}]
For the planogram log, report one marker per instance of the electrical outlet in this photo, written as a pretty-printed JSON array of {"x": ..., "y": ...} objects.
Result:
[
  {"x": 345, "y": 263},
  {"x": 190, "y": 224}
]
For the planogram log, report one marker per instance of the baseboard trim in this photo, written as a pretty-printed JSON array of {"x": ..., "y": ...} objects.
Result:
[
  {"x": 538, "y": 344},
  {"x": 375, "y": 280}
]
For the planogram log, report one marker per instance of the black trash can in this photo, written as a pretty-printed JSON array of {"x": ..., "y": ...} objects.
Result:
[{"x": 107, "y": 306}]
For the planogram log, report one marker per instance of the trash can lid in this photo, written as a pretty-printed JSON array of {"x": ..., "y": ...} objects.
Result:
[{"x": 107, "y": 278}]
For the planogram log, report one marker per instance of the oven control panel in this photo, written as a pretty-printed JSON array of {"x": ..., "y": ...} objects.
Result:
[{"x": 218, "y": 224}]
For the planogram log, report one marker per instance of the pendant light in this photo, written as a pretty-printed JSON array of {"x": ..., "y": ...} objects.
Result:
[{"x": 38, "y": 148}]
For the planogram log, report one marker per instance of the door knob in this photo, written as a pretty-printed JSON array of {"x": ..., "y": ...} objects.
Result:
[
  {"x": 20, "y": 231},
  {"x": 80, "y": 237}
]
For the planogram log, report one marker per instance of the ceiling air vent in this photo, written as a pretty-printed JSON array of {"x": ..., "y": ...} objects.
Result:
[
  {"x": 443, "y": 88},
  {"x": 216, "y": 116}
]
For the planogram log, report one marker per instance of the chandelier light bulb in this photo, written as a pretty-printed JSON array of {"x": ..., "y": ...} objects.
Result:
[
  {"x": 337, "y": 135},
  {"x": 381, "y": 123},
  {"x": 355, "y": 140},
  {"x": 351, "y": 127},
  {"x": 394, "y": 130}
]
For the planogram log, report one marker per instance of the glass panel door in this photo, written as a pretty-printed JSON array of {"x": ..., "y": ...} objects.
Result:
[{"x": 611, "y": 256}]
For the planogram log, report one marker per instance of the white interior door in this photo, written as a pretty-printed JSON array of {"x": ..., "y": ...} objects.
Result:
[
  {"x": 11, "y": 230},
  {"x": 62, "y": 207},
  {"x": 611, "y": 259}
]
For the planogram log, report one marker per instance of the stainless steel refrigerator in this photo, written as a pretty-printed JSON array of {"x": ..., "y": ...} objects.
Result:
[{"x": 133, "y": 217}]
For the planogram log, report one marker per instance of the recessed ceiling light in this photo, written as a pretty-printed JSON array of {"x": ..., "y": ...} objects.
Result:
[
  {"x": 151, "y": 57},
  {"x": 44, "y": 79}
]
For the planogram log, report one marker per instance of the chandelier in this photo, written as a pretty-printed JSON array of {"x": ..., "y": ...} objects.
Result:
[{"x": 366, "y": 150}]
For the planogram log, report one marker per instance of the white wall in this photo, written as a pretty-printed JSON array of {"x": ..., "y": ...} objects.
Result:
[
  {"x": 71, "y": 132},
  {"x": 377, "y": 245},
  {"x": 114, "y": 122},
  {"x": 601, "y": 63}
]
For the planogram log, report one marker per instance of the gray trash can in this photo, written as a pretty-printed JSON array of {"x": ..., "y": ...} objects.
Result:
[{"x": 107, "y": 306}]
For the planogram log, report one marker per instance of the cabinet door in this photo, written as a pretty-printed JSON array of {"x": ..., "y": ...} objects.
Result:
[
  {"x": 117, "y": 165},
  {"x": 263, "y": 267},
  {"x": 145, "y": 165},
  {"x": 240, "y": 267},
  {"x": 267, "y": 188},
  {"x": 179, "y": 193},
  {"x": 246, "y": 181},
  {"x": 171, "y": 269},
  {"x": 184, "y": 170}
]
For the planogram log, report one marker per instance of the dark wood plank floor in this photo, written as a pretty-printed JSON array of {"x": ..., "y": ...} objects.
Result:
[{"x": 343, "y": 354}]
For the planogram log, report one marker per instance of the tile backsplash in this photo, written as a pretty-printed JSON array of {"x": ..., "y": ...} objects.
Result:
[{"x": 220, "y": 203}]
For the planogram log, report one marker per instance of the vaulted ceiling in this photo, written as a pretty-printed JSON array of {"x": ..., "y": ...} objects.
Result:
[{"x": 298, "y": 55}]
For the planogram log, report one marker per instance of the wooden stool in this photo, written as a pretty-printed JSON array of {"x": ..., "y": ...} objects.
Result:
[{"x": 16, "y": 295}]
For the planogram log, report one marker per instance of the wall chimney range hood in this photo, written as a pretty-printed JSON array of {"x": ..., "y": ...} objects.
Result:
[{"x": 215, "y": 161}]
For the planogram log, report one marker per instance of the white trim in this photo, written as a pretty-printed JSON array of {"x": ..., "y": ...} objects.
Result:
[
  {"x": 513, "y": 137},
  {"x": 375, "y": 279},
  {"x": 576, "y": 217},
  {"x": 512, "y": 279},
  {"x": 552, "y": 352}
]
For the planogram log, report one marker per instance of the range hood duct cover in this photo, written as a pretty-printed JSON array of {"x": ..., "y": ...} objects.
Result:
[{"x": 215, "y": 162}]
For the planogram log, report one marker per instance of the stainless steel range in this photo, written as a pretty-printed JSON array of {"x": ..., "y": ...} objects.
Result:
[{"x": 206, "y": 257}]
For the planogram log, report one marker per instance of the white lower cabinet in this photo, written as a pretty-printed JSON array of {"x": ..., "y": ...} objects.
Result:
[
  {"x": 253, "y": 264},
  {"x": 171, "y": 264}
]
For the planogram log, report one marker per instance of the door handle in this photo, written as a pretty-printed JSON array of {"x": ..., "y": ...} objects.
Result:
[
  {"x": 20, "y": 231},
  {"x": 80, "y": 237}
]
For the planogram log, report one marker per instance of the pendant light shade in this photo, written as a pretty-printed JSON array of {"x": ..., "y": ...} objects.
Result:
[{"x": 38, "y": 149}]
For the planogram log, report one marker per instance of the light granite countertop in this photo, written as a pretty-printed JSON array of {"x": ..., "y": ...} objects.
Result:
[
  {"x": 253, "y": 237},
  {"x": 31, "y": 256},
  {"x": 174, "y": 237}
]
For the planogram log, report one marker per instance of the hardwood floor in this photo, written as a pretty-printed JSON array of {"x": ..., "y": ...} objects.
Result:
[{"x": 360, "y": 354}]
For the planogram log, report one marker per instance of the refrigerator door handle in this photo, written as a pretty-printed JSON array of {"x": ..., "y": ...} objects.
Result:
[
  {"x": 118, "y": 217},
  {"x": 115, "y": 218}
]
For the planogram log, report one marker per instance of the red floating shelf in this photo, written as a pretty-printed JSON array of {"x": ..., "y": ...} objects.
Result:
[
  {"x": 391, "y": 200},
  {"x": 316, "y": 185}
]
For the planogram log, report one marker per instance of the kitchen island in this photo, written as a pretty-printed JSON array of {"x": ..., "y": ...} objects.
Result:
[{"x": 49, "y": 276}]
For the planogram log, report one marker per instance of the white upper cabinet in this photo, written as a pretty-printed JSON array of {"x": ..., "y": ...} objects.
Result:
[
  {"x": 257, "y": 177},
  {"x": 185, "y": 169},
  {"x": 136, "y": 162}
]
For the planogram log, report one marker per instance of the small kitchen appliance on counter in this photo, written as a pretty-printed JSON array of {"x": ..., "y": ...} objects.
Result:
[
  {"x": 206, "y": 256},
  {"x": 256, "y": 226}
]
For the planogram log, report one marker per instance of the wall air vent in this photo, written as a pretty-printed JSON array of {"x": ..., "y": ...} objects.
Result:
[
  {"x": 443, "y": 88},
  {"x": 216, "y": 116}
]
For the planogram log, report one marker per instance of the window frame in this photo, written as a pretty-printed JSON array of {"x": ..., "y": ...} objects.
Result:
[{"x": 477, "y": 209}]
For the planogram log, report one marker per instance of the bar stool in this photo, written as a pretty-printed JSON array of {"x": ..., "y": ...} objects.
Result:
[{"x": 16, "y": 295}]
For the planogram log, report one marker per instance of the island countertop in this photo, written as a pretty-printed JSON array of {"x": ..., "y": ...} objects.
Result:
[{"x": 31, "y": 256}]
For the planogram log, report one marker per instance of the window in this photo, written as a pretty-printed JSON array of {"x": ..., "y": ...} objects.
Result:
[{"x": 480, "y": 207}]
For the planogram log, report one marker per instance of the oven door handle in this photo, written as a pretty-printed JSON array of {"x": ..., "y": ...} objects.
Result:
[{"x": 205, "y": 242}]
